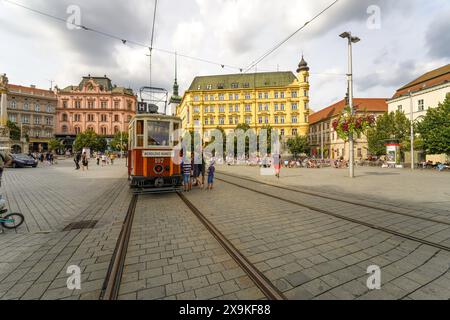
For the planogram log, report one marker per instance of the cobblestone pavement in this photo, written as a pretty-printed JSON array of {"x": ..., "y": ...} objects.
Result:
[
  {"x": 427, "y": 191},
  {"x": 33, "y": 263},
  {"x": 310, "y": 255},
  {"x": 173, "y": 256}
]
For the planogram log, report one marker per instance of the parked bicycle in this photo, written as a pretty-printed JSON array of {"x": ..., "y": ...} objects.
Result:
[{"x": 12, "y": 220}]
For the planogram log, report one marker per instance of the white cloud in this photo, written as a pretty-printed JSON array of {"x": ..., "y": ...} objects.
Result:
[{"x": 233, "y": 32}]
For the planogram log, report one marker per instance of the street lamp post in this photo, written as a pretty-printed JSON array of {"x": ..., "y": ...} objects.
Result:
[
  {"x": 351, "y": 40},
  {"x": 412, "y": 128}
]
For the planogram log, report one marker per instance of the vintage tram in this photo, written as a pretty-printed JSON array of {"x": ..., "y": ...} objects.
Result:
[{"x": 153, "y": 160}]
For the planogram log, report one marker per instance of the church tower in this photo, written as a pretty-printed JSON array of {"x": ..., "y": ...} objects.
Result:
[
  {"x": 175, "y": 99},
  {"x": 303, "y": 79}
]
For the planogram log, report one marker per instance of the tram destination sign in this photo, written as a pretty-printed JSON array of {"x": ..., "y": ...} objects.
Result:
[
  {"x": 157, "y": 154},
  {"x": 146, "y": 108}
]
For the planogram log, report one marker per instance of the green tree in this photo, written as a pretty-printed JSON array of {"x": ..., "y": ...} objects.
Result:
[
  {"x": 392, "y": 125},
  {"x": 435, "y": 129},
  {"x": 90, "y": 139},
  {"x": 14, "y": 131},
  {"x": 298, "y": 145},
  {"x": 55, "y": 144},
  {"x": 120, "y": 141}
]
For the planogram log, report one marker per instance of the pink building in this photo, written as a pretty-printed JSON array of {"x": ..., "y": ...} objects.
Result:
[{"x": 95, "y": 104}]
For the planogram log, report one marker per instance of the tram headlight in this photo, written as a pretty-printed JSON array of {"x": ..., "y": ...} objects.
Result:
[{"x": 158, "y": 169}]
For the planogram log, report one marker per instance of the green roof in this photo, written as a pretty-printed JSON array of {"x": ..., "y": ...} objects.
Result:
[{"x": 243, "y": 81}]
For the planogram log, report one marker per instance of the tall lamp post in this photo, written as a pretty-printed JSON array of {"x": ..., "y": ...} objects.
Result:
[
  {"x": 351, "y": 40},
  {"x": 412, "y": 128}
]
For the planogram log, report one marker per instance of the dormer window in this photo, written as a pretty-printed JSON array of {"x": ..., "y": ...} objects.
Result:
[
  {"x": 234, "y": 85},
  {"x": 209, "y": 87}
]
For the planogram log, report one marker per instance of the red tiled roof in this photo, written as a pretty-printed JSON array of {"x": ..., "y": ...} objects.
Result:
[
  {"x": 360, "y": 104},
  {"x": 29, "y": 90},
  {"x": 429, "y": 79}
]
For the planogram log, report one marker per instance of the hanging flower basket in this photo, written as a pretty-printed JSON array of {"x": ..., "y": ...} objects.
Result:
[{"x": 356, "y": 124}]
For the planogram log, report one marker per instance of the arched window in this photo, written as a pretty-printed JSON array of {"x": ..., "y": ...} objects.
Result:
[
  {"x": 103, "y": 131},
  {"x": 116, "y": 130},
  {"x": 64, "y": 129},
  {"x": 77, "y": 130},
  {"x": 64, "y": 117},
  {"x": 90, "y": 128}
]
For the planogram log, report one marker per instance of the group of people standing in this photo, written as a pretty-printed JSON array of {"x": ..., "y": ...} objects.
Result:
[
  {"x": 194, "y": 174},
  {"x": 47, "y": 157},
  {"x": 83, "y": 158}
]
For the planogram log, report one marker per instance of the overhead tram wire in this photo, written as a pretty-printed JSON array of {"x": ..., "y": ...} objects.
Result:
[
  {"x": 259, "y": 60},
  {"x": 123, "y": 40},
  {"x": 152, "y": 39}
]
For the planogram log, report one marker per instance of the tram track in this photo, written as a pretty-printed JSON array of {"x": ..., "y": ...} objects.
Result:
[
  {"x": 111, "y": 287},
  {"x": 335, "y": 215},
  {"x": 368, "y": 206}
]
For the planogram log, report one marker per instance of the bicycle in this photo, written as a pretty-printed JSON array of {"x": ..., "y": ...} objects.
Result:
[{"x": 12, "y": 220}]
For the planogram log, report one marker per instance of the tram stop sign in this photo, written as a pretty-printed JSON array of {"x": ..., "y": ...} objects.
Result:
[{"x": 146, "y": 108}]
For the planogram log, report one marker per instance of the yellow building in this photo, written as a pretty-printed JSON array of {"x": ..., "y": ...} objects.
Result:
[{"x": 278, "y": 99}]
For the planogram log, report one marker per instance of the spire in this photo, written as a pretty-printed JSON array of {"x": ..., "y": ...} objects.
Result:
[
  {"x": 175, "y": 84},
  {"x": 303, "y": 66},
  {"x": 176, "y": 99}
]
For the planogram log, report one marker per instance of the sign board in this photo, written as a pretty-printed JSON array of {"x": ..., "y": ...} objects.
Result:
[
  {"x": 144, "y": 107},
  {"x": 157, "y": 154}
]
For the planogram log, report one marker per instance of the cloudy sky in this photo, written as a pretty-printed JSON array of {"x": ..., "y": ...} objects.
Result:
[{"x": 409, "y": 38}]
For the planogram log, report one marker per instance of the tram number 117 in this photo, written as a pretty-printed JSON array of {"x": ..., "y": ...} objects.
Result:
[{"x": 159, "y": 161}]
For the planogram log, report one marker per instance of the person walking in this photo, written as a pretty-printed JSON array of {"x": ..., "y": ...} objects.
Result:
[
  {"x": 77, "y": 160},
  {"x": 277, "y": 165},
  {"x": 211, "y": 172},
  {"x": 103, "y": 160},
  {"x": 85, "y": 162},
  {"x": 98, "y": 158},
  {"x": 187, "y": 176}
]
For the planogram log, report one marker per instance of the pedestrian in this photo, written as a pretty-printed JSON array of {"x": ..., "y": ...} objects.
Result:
[
  {"x": 77, "y": 160},
  {"x": 277, "y": 164},
  {"x": 98, "y": 159},
  {"x": 103, "y": 160},
  {"x": 113, "y": 157},
  {"x": 5, "y": 160},
  {"x": 85, "y": 161},
  {"x": 187, "y": 176},
  {"x": 211, "y": 172}
]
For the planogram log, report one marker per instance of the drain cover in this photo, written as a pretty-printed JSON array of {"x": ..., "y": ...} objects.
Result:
[{"x": 89, "y": 224}]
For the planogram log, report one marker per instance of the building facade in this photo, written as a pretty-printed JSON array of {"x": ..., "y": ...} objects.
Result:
[
  {"x": 95, "y": 104},
  {"x": 325, "y": 141},
  {"x": 34, "y": 111},
  {"x": 425, "y": 92},
  {"x": 278, "y": 99}
]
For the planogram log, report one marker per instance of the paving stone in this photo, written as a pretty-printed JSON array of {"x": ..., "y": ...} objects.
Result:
[{"x": 152, "y": 294}]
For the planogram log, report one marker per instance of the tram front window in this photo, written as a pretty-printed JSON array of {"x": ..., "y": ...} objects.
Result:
[{"x": 158, "y": 133}]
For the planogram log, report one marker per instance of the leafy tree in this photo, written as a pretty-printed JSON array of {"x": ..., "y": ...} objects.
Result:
[
  {"x": 392, "y": 125},
  {"x": 298, "y": 145},
  {"x": 14, "y": 131},
  {"x": 120, "y": 141},
  {"x": 90, "y": 139},
  {"x": 55, "y": 144},
  {"x": 435, "y": 129}
]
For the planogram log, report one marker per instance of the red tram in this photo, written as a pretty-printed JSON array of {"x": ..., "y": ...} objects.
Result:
[{"x": 153, "y": 162}]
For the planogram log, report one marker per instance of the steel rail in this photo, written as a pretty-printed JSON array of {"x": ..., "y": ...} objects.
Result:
[
  {"x": 336, "y": 199},
  {"x": 336, "y": 215},
  {"x": 111, "y": 286},
  {"x": 264, "y": 284}
]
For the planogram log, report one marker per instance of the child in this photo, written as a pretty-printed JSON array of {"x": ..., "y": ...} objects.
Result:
[{"x": 211, "y": 171}]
